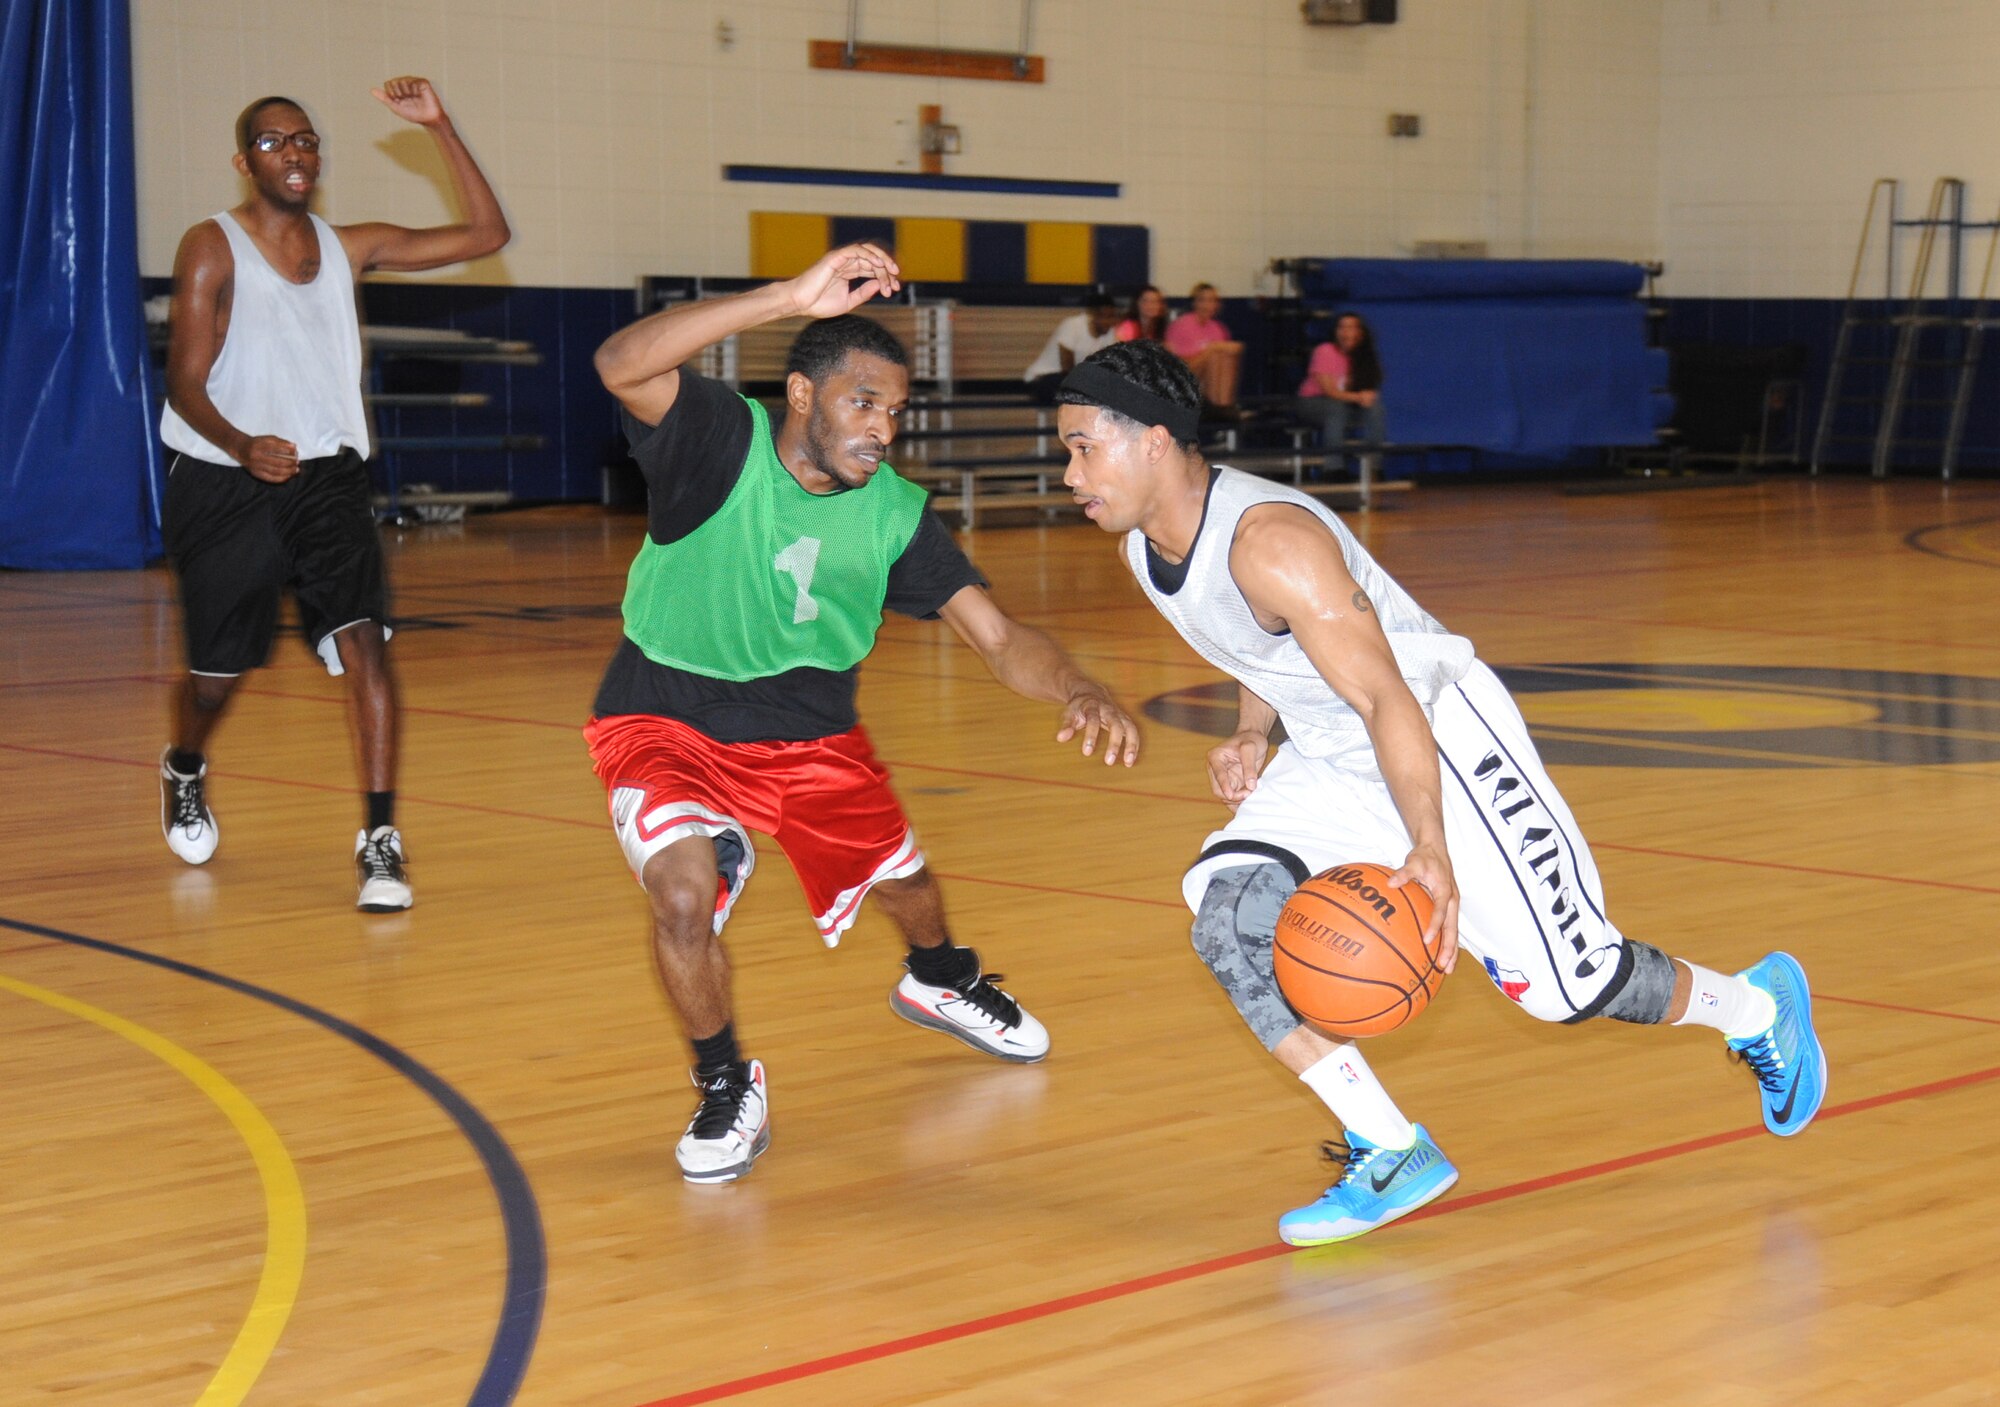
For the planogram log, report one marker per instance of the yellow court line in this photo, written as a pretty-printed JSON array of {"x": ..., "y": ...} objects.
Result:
[{"x": 284, "y": 1199}]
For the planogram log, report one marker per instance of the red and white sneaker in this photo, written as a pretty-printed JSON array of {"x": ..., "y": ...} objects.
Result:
[
  {"x": 730, "y": 1129},
  {"x": 978, "y": 1013}
]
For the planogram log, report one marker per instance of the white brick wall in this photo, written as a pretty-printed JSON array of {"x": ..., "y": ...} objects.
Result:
[
  {"x": 1239, "y": 132},
  {"x": 1776, "y": 115}
]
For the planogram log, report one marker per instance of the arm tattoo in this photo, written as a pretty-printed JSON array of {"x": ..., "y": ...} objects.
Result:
[{"x": 1360, "y": 600}]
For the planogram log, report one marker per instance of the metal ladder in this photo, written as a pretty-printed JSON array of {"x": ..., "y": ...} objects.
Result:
[
  {"x": 1921, "y": 311},
  {"x": 1976, "y": 324}
]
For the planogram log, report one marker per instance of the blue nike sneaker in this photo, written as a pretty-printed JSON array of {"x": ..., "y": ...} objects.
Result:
[
  {"x": 1377, "y": 1186},
  {"x": 1787, "y": 1059}
]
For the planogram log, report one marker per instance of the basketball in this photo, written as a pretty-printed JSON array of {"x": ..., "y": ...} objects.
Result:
[{"x": 1350, "y": 952}]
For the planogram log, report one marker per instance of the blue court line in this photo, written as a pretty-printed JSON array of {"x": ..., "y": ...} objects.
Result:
[{"x": 527, "y": 1255}]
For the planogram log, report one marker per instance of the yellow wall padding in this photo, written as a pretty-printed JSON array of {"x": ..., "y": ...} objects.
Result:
[
  {"x": 932, "y": 250},
  {"x": 783, "y": 245},
  {"x": 1058, "y": 252}
]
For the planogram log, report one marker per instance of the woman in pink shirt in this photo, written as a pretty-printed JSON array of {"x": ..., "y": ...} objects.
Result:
[
  {"x": 1146, "y": 319},
  {"x": 1343, "y": 389},
  {"x": 1201, "y": 339}
]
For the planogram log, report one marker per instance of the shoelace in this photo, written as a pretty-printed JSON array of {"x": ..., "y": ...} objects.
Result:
[
  {"x": 721, "y": 1098},
  {"x": 188, "y": 807},
  {"x": 991, "y": 1000},
  {"x": 1355, "y": 1159},
  {"x": 378, "y": 857},
  {"x": 1765, "y": 1061}
]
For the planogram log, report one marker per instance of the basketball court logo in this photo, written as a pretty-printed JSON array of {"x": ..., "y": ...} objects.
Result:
[{"x": 1712, "y": 715}]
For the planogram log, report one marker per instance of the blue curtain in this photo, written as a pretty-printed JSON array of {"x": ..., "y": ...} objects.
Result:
[{"x": 79, "y": 464}]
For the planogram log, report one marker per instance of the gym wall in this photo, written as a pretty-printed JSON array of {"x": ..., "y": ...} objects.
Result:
[
  {"x": 1235, "y": 131},
  {"x": 1776, "y": 115}
]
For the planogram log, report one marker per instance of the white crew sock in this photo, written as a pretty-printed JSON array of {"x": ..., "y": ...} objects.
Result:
[
  {"x": 1729, "y": 1004},
  {"x": 1349, "y": 1088}
]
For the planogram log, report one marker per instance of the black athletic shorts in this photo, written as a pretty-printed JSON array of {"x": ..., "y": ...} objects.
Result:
[{"x": 237, "y": 543}]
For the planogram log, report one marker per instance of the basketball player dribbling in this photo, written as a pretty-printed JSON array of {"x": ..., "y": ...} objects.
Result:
[
  {"x": 769, "y": 556},
  {"x": 1400, "y": 745},
  {"x": 268, "y": 489}
]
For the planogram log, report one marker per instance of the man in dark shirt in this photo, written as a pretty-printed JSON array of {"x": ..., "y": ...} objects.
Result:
[{"x": 729, "y": 707}]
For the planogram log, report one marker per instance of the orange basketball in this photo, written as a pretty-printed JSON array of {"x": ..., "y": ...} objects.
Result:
[{"x": 1350, "y": 951}]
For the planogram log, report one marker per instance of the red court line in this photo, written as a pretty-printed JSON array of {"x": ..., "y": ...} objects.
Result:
[
  {"x": 1908, "y": 1010},
  {"x": 553, "y": 820},
  {"x": 1211, "y": 802},
  {"x": 906, "y": 766},
  {"x": 1645, "y": 624},
  {"x": 78, "y": 683},
  {"x": 1796, "y": 869},
  {"x": 1000, "y": 777},
  {"x": 816, "y": 1367}
]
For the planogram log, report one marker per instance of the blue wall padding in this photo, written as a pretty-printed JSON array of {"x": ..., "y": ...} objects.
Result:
[
  {"x": 1374, "y": 280},
  {"x": 1537, "y": 358},
  {"x": 1537, "y": 377},
  {"x": 1123, "y": 256},
  {"x": 856, "y": 229},
  {"x": 996, "y": 251},
  {"x": 78, "y": 463}
]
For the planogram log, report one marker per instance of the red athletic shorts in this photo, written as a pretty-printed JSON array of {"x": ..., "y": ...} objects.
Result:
[{"x": 827, "y": 803}]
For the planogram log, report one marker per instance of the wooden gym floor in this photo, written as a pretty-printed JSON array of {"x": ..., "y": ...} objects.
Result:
[{"x": 256, "y": 1146}]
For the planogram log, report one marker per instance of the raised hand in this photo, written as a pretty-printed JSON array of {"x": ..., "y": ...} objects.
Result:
[
  {"x": 827, "y": 289},
  {"x": 412, "y": 99},
  {"x": 1092, "y": 712},
  {"x": 1233, "y": 766}
]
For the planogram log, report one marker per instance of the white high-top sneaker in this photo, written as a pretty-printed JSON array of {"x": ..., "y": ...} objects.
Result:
[
  {"x": 378, "y": 855},
  {"x": 185, "y": 819},
  {"x": 730, "y": 1129}
]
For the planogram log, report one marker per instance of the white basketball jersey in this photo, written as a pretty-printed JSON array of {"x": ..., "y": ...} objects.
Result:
[
  {"x": 290, "y": 364},
  {"x": 1210, "y": 613}
]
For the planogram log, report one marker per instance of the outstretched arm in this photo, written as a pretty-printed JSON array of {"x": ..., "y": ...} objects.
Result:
[
  {"x": 1036, "y": 667},
  {"x": 484, "y": 230},
  {"x": 1291, "y": 572},
  {"x": 640, "y": 364}
]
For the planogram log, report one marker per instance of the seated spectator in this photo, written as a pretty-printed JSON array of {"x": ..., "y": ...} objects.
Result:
[
  {"x": 1074, "y": 339},
  {"x": 1146, "y": 319},
  {"x": 1343, "y": 389},
  {"x": 1201, "y": 339}
]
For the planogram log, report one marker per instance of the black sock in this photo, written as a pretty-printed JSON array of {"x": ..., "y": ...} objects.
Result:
[
  {"x": 381, "y": 810},
  {"x": 188, "y": 764},
  {"x": 717, "y": 1053},
  {"x": 943, "y": 966}
]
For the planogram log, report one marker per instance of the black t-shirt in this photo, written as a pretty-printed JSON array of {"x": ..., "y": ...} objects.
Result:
[{"x": 691, "y": 461}]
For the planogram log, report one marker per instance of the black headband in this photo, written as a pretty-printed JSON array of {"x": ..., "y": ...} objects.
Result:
[{"x": 1114, "y": 392}]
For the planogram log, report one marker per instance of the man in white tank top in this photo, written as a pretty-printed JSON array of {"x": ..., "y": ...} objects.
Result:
[
  {"x": 1401, "y": 749},
  {"x": 268, "y": 490}
]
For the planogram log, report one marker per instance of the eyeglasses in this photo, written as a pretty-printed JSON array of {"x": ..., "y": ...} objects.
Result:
[{"x": 306, "y": 142}]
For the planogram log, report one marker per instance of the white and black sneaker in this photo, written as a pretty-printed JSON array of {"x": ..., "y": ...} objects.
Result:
[
  {"x": 977, "y": 1012},
  {"x": 185, "y": 819},
  {"x": 378, "y": 855},
  {"x": 730, "y": 1128}
]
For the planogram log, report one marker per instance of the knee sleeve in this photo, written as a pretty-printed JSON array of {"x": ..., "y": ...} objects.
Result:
[
  {"x": 1232, "y": 935},
  {"x": 1642, "y": 989}
]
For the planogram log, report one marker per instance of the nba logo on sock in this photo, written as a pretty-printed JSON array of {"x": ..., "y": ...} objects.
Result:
[
  {"x": 1709, "y": 999},
  {"x": 1511, "y": 983},
  {"x": 1347, "y": 1072}
]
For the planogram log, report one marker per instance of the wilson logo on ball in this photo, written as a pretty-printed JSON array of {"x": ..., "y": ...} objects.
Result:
[
  {"x": 1350, "y": 961},
  {"x": 1347, "y": 877}
]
